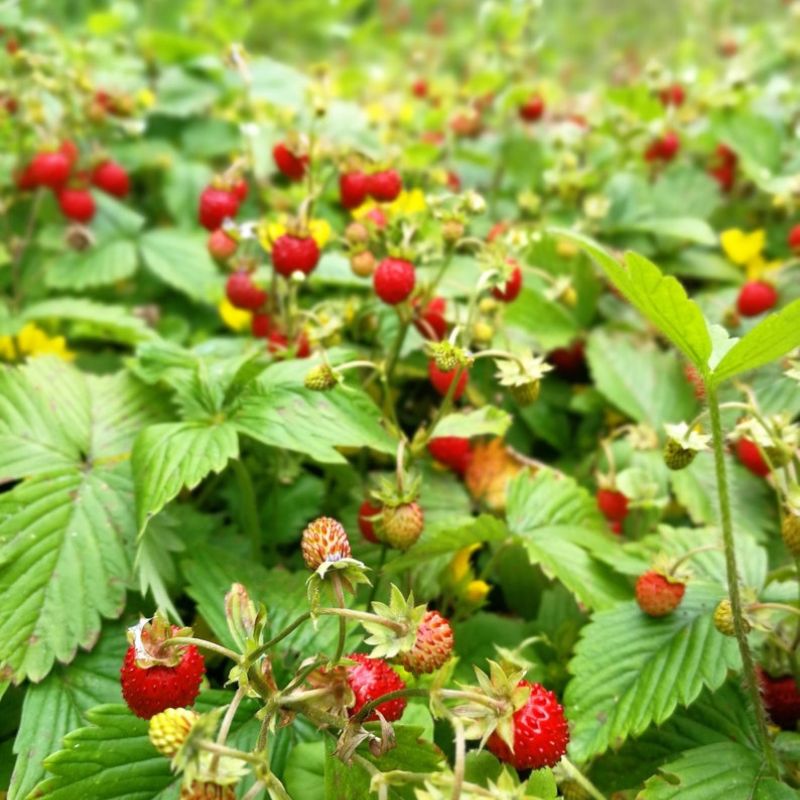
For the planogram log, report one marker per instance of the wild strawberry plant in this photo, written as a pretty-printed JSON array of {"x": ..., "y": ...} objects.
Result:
[{"x": 427, "y": 433}]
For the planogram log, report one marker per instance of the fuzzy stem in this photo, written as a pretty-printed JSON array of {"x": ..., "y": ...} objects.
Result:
[
  {"x": 460, "y": 762},
  {"x": 291, "y": 628},
  {"x": 363, "y": 616},
  {"x": 372, "y": 705},
  {"x": 378, "y": 573},
  {"x": 230, "y": 752},
  {"x": 748, "y": 667},
  {"x": 225, "y": 727},
  {"x": 205, "y": 645},
  {"x": 338, "y": 593}
]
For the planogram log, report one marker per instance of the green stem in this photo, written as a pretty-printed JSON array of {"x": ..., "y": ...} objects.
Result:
[
  {"x": 338, "y": 593},
  {"x": 748, "y": 667},
  {"x": 400, "y": 693},
  {"x": 278, "y": 636},
  {"x": 394, "y": 354},
  {"x": 576, "y": 775},
  {"x": 205, "y": 645},
  {"x": 378, "y": 573},
  {"x": 247, "y": 495}
]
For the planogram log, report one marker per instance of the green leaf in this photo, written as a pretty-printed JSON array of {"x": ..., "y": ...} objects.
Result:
[
  {"x": 549, "y": 321},
  {"x": 689, "y": 229},
  {"x": 755, "y": 139},
  {"x": 181, "y": 260},
  {"x": 101, "y": 265},
  {"x": 99, "y": 320},
  {"x": 722, "y": 771},
  {"x": 183, "y": 183},
  {"x": 59, "y": 703},
  {"x": 170, "y": 456},
  {"x": 304, "y": 775},
  {"x": 485, "y": 421},
  {"x": 644, "y": 382},
  {"x": 660, "y": 298},
  {"x": 560, "y": 526},
  {"x": 632, "y": 670},
  {"x": 66, "y": 534},
  {"x": 772, "y": 338},
  {"x": 278, "y": 410}
]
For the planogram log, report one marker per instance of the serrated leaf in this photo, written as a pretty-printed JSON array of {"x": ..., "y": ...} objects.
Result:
[
  {"x": 772, "y": 338},
  {"x": 304, "y": 775},
  {"x": 560, "y": 527},
  {"x": 722, "y": 771},
  {"x": 181, "y": 260},
  {"x": 101, "y": 265},
  {"x": 485, "y": 421},
  {"x": 645, "y": 383},
  {"x": 170, "y": 456},
  {"x": 632, "y": 670},
  {"x": 660, "y": 298},
  {"x": 689, "y": 229},
  {"x": 66, "y": 534},
  {"x": 59, "y": 704},
  {"x": 549, "y": 321}
]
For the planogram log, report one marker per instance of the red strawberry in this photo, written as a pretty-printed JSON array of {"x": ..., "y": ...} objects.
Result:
[
  {"x": 750, "y": 456},
  {"x": 294, "y": 254},
  {"x": 353, "y": 189},
  {"x": 612, "y": 504},
  {"x": 377, "y": 217},
  {"x": 793, "y": 239},
  {"x": 569, "y": 362},
  {"x": 324, "y": 539},
  {"x": 430, "y": 322},
  {"x": 49, "y": 168},
  {"x": 781, "y": 698},
  {"x": 658, "y": 595},
  {"x": 513, "y": 286},
  {"x": 432, "y": 647},
  {"x": 70, "y": 150},
  {"x": 367, "y": 525},
  {"x": 724, "y": 175},
  {"x": 394, "y": 280},
  {"x": 453, "y": 181},
  {"x": 756, "y": 297},
  {"x": 216, "y": 205},
  {"x": 76, "y": 204},
  {"x": 541, "y": 733},
  {"x": 243, "y": 293},
  {"x": 616, "y": 527},
  {"x": 278, "y": 343},
  {"x": 240, "y": 189},
  {"x": 150, "y": 690},
  {"x": 385, "y": 186},
  {"x": 111, "y": 178},
  {"x": 452, "y": 451},
  {"x": 673, "y": 95},
  {"x": 370, "y": 679},
  {"x": 665, "y": 148},
  {"x": 260, "y": 325},
  {"x": 420, "y": 88},
  {"x": 288, "y": 163},
  {"x": 220, "y": 245},
  {"x": 441, "y": 380},
  {"x": 532, "y": 109}
]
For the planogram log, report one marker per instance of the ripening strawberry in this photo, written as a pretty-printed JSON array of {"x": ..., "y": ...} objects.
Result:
[
  {"x": 541, "y": 733},
  {"x": 432, "y": 647},
  {"x": 111, "y": 178},
  {"x": 353, "y": 189},
  {"x": 612, "y": 504},
  {"x": 750, "y": 456},
  {"x": 243, "y": 293},
  {"x": 363, "y": 264},
  {"x": 673, "y": 95},
  {"x": 401, "y": 526},
  {"x": 288, "y": 163},
  {"x": 261, "y": 325},
  {"x": 368, "y": 515},
  {"x": 756, "y": 297},
  {"x": 50, "y": 168},
  {"x": 781, "y": 698},
  {"x": 385, "y": 186},
  {"x": 207, "y": 790},
  {"x": 430, "y": 321},
  {"x": 452, "y": 451},
  {"x": 793, "y": 239},
  {"x": 240, "y": 189},
  {"x": 71, "y": 151},
  {"x": 150, "y": 690},
  {"x": 278, "y": 344},
  {"x": 294, "y": 254},
  {"x": 664, "y": 148},
  {"x": 215, "y": 206},
  {"x": 420, "y": 88},
  {"x": 220, "y": 245},
  {"x": 394, "y": 280},
  {"x": 377, "y": 217},
  {"x": 441, "y": 380},
  {"x": 509, "y": 291},
  {"x": 76, "y": 204},
  {"x": 532, "y": 109},
  {"x": 657, "y": 594},
  {"x": 371, "y": 678},
  {"x": 324, "y": 539},
  {"x": 497, "y": 230}
]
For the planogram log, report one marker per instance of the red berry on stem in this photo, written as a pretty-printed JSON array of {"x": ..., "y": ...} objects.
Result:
[
  {"x": 288, "y": 163},
  {"x": 441, "y": 380},
  {"x": 512, "y": 287},
  {"x": 452, "y": 451},
  {"x": 220, "y": 245},
  {"x": 430, "y": 322},
  {"x": 294, "y": 254},
  {"x": 793, "y": 239},
  {"x": 353, "y": 189},
  {"x": 540, "y": 732},
  {"x": 240, "y": 189},
  {"x": 377, "y": 217},
  {"x": 657, "y": 595},
  {"x": 750, "y": 456},
  {"x": 385, "y": 186},
  {"x": 261, "y": 325},
  {"x": 111, "y": 178},
  {"x": 243, "y": 293},
  {"x": 781, "y": 698},
  {"x": 49, "y": 168},
  {"x": 394, "y": 280},
  {"x": 756, "y": 297},
  {"x": 371, "y": 678},
  {"x": 433, "y": 645},
  {"x": 366, "y": 525},
  {"x": 532, "y": 109},
  {"x": 612, "y": 504},
  {"x": 76, "y": 204},
  {"x": 673, "y": 95},
  {"x": 216, "y": 205},
  {"x": 420, "y": 88}
]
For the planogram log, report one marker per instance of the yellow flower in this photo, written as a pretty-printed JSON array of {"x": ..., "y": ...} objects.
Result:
[
  {"x": 476, "y": 591},
  {"x": 740, "y": 247},
  {"x": 145, "y": 98},
  {"x": 268, "y": 232},
  {"x": 405, "y": 204},
  {"x": 33, "y": 341},
  {"x": 758, "y": 266},
  {"x": 459, "y": 566},
  {"x": 236, "y": 319},
  {"x": 377, "y": 112}
]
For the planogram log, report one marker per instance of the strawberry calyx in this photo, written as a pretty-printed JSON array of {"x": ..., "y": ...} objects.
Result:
[{"x": 151, "y": 640}]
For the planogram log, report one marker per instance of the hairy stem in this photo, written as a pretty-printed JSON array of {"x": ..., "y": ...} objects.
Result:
[
  {"x": 204, "y": 645},
  {"x": 368, "y": 708},
  {"x": 336, "y": 583},
  {"x": 289, "y": 629}
]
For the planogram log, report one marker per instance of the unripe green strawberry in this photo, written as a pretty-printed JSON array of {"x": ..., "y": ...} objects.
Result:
[
  {"x": 401, "y": 525},
  {"x": 324, "y": 540},
  {"x": 169, "y": 729},
  {"x": 321, "y": 378},
  {"x": 790, "y": 531},
  {"x": 205, "y": 790},
  {"x": 677, "y": 457},
  {"x": 432, "y": 647},
  {"x": 526, "y": 393},
  {"x": 723, "y": 619}
]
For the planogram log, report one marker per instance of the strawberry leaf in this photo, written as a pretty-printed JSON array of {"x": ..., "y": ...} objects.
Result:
[
  {"x": 104, "y": 264},
  {"x": 486, "y": 421}
]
